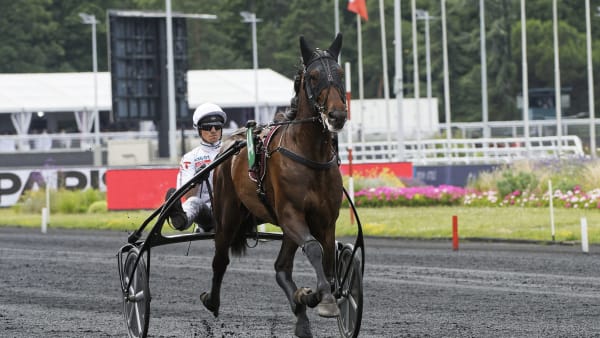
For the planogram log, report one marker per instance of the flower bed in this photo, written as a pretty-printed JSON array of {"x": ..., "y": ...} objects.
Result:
[
  {"x": 409, "y": 196},
  {"x": 446, "y": 195}
]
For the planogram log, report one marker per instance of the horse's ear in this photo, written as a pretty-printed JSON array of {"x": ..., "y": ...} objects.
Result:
[
  {"x": 306, "y": 50},
  {"x": 336, "y": 46}
]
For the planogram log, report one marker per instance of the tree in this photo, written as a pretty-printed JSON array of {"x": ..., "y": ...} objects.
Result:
[{"x": 28, "y": 36}]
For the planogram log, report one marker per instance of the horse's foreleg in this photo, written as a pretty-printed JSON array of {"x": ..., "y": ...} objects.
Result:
[
  {"x": 212, "y": 300},
  {"x": 323, "y": 297},
  {"x": 283, "y": 274}
]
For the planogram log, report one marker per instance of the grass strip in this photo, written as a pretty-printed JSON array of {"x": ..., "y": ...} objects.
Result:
[{"x": 513, "y": 223}]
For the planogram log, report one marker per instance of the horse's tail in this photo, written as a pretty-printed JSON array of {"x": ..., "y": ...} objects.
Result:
[{"x": 238, "y": 242}]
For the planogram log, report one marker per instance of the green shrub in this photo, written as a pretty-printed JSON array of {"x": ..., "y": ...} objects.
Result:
[
  {"x": 520, "y": 181},
  {"x": 61, "y": 201},
  {"x": 32, "y": 201},
  {"x": 98, "y": 207}
]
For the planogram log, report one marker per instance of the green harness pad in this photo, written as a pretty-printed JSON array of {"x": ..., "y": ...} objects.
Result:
[{"x": 250, "y": 147}]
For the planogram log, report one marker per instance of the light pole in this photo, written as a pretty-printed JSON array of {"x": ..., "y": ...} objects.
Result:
[
  {"x": 483, "y": 55},
  {"x": 399, "y": 81},
  {"x": 424, "y": 15},
  {"x": 416, "y": 74},
  {"x": 524, "y": 77},
  {"x": 446, "y": 73},
  {"x": 251, "y": 18},
  {"x": 90, "y": 19},
  {"x": 592, "y": 113}
]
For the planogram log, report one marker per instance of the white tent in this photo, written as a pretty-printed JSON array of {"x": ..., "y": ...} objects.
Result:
[
  {"x": 51, "y": 92},
  {"x": 24, "y": 94}
]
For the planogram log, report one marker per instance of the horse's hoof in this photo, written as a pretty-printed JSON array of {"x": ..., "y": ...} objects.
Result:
[
  {"x": 205, "y": 298},
  {"x": 302, "y": 333},
  {"x": 328, "y": 308}
]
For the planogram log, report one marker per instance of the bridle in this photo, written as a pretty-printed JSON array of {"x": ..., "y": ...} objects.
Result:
[{"x": 324, "y": 62}]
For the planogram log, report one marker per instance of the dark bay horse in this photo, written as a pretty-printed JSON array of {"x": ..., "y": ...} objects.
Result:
[{"x": 301, "y": 189}]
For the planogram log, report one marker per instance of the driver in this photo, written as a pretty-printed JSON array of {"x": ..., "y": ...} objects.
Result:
[{"x": 208, "y": 119}]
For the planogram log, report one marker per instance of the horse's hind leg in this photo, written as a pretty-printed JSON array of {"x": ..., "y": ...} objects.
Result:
[
  {"x": 283, "y": 274},
  {"x": 212, "y": 300}
]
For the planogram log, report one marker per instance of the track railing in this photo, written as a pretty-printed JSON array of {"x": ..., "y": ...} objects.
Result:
[{"x": 465, "y": 151}]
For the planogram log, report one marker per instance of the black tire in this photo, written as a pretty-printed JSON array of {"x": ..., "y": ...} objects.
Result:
[
  {"x": 350, "y": 301},
  {"x": 136, "y": 298}
]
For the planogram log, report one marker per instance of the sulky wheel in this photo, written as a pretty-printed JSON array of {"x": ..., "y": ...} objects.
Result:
[
  {"x": 350, "y": 301},
  {"x": 136, "y": 294}
]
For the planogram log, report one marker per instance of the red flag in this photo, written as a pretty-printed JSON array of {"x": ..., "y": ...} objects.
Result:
[{"x": 359, "y": 7}]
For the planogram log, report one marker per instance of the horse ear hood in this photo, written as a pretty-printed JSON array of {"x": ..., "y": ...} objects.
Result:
[
  {"x": 306, "y": 50},
  {"x": 336, "y": 46}
]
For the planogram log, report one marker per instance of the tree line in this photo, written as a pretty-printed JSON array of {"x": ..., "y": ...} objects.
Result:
[{"x": 48, "y": 36}]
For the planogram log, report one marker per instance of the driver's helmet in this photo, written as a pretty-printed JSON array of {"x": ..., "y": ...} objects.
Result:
[{"x": 209, "y": 114}]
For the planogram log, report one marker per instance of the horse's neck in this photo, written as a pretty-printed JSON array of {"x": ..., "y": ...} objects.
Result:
[{"x": 310, "y": 137}]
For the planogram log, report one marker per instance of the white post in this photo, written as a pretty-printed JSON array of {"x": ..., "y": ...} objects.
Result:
[
  {"x": 44, "y": 220},
  {"x": 551, "y": 197},
  {"x": 584, "y": 236},
  {"x": 48, "y": 195}
]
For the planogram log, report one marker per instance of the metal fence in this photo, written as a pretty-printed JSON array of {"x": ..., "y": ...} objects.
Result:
[{"x": 465, "y": 151}]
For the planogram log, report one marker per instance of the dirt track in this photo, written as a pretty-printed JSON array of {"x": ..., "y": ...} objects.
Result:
[{"x": 65, "y": 284}]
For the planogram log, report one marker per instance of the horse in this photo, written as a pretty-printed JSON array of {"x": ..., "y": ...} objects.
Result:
[{"x": 300, "y": 189}]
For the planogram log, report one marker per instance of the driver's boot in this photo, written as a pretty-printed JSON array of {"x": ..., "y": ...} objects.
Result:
[{"x": 176, "y": 215}]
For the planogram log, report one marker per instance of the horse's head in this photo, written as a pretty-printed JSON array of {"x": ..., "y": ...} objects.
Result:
[{"x": 323, "y": 79}]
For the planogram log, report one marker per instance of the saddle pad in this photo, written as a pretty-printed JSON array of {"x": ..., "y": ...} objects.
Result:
[{"x": 258, "y": 170}]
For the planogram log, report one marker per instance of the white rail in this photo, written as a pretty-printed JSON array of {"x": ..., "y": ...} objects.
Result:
[
  {"x": 465, "y": 151},
  {"x": 425, "y": 152}
]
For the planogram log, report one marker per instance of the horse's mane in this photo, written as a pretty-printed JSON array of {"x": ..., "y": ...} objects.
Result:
[{"x": 290, "y": 114}]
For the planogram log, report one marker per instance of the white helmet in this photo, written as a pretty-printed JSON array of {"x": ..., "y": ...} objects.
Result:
[{"x": 209, "y": 113}]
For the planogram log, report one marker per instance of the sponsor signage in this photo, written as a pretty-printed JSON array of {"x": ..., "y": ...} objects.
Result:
[{"x": 13, "y": 183}]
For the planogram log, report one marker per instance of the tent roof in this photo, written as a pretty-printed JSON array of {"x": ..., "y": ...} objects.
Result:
[{"x": 59, "y": 92}]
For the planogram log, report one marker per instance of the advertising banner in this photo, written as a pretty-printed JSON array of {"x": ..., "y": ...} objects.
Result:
[{"x": 14, "y": 183}]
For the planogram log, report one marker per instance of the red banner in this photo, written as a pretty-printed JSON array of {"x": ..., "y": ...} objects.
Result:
[
  {"x": 131, "y": 189},
  {"x": 400, "y": 169}
]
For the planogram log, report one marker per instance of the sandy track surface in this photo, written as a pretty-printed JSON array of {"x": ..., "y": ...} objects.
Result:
[{"x": 65, "y": 284}]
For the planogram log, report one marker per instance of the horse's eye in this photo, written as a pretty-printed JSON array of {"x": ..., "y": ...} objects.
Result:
[{"x": 314, "y": 77}]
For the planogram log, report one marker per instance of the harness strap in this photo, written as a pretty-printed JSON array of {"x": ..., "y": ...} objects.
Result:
[
  {"x": 262, "y": 195},
  {"x": 309, "y": 163}
]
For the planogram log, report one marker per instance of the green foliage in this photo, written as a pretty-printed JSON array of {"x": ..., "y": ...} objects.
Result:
[
  {"x": 62, "y": 201},
  {"x": 520, "y": 181},
  {"x": 98, "y": 207}
]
